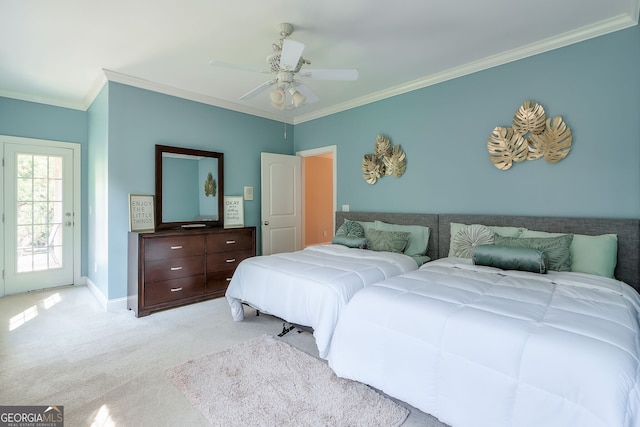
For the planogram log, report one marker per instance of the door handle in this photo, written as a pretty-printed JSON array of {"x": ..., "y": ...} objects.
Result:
[{"x": 266, "y": 223}]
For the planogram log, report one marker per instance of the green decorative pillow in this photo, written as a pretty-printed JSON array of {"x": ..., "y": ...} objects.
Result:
[
  {"x": 589, "y": 254},
  {"x": 418, "y": 241},
  {"x": 389, "y": 241},
  {"x": 511, "y": 258},
  {"x": 466, "y": 240},
  {"x": 351, "y": 229},
  {"x": 455, "y": 227},
  {"x": 594, "y": 254},
  {"x": 556, "y": 248},
  {"x": 349, "y": 241}
]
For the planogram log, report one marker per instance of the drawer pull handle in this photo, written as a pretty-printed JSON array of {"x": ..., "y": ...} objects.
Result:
[
  {"x": 176, "y": 268},
  {"x": 231, "y": 260},
  {"x": 228, "y": 279},
  {"x": 176, "y": 289},
  {"x": 176, "y": 247},
  {"x": 231, "y": 242}
]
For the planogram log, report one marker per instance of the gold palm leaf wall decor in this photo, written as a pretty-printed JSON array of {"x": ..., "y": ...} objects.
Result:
[
  {"x": 385, "y": 160},
  {"x": 505, "y": 147},
  {"x": 531, "y": 137}
]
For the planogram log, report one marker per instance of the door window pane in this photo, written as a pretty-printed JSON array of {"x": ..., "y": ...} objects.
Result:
[{"x": 39, "y": 212}]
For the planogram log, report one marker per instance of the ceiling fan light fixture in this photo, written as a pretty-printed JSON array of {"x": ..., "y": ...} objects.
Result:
[
  {"x": 285, "y": 63},
  {"x": 297, "y": 99},
  {"x": 277, "y": 98}
]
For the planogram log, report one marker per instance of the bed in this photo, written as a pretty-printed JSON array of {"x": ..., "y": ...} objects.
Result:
[
  {"x": 311, "y": 287},
  {"x": 473, "y": 344}
]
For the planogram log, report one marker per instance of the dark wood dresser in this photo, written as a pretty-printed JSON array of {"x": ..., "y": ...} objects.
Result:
[{"x": 171, "y": 268}]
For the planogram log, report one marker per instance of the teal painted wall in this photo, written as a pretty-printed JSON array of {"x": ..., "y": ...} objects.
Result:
[
  {"x": 39, "y": 121},
  {"x": 140, "y": 119},
  {"x": 594, "y": 85}
]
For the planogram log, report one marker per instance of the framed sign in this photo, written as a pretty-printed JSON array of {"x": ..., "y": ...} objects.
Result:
[
  {"x": 233, "y": 211},
  {"x": 142, "y": 212}
]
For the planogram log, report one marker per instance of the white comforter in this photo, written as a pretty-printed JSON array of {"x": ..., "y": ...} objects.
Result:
[
  {"x": 310, "y": 287},
  {"x": 477, "y": 346}
]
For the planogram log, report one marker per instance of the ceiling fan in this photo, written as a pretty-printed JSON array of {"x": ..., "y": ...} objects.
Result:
[{"x": 286, "y": 63}]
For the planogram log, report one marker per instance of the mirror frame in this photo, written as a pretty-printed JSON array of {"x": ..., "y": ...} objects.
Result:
[{"x": 160, "y": 224}]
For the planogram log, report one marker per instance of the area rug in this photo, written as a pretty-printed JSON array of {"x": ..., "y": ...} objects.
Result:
[{"x": 266, "y": 382}]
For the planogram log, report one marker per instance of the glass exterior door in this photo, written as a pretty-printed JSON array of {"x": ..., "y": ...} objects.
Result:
[{"x": 39, "y": 217}]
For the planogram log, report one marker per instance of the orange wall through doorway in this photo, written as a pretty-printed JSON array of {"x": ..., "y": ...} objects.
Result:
[{"x": 318, "y": 199}]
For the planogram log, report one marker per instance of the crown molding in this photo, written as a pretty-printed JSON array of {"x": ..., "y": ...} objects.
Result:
[
  {"x": 54, "y": 102},
  {"x": 128, "y": 80},
  {"x": 604, "y": 27}
]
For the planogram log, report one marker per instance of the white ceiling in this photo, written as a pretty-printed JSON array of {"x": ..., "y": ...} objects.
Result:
[{"x": 59, "y": 52}]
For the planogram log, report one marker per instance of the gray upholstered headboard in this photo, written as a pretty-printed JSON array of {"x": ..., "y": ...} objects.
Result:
[
  {"x": 426, "y": 220},
  {"x": 628, "y": 231}
]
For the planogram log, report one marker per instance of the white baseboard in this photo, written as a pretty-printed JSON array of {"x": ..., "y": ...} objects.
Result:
[{"x": 116, "y": 304}]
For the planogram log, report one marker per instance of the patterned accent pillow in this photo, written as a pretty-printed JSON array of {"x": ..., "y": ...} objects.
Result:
[
  {"x": 389, "y": 241},
  {"x": 465, "y": 242},
  {"x": 351, "y": 235},
  {"x": 351, "y": 229}
]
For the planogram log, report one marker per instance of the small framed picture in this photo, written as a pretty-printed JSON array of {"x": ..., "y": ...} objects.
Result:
[
  {"x": 142, "y": 212},
  {"x": 233, "y": 211}
]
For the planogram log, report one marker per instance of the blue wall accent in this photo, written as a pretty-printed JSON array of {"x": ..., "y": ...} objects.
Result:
[
  {"x": 39, "y": 121},
  {"x": 443, "y": 129}
]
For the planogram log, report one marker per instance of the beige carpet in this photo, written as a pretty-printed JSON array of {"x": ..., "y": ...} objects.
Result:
[{"x": 266, "y": 382}]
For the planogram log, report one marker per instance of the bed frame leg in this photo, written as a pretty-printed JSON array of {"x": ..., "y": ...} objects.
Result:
[{"x": 286, "y": 328}]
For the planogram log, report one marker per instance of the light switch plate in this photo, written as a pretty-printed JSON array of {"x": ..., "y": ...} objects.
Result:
[{"x": 248, "y": 193}]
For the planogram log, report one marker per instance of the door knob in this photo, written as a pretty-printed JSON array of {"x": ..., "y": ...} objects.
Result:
[{"x": 266, "y": 223}]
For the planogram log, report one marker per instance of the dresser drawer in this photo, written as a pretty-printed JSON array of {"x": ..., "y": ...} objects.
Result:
[
  {"x": 218, "y": 281},
  {"x": 167, "y": 269},
  {"x": 230, "y": 241},
  {"x": 172, "y": 290},
  {"x": 173, "y": 247},
  {"x": 226, "y": 261}
]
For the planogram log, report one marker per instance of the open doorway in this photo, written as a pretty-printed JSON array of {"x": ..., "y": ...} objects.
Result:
[{"x": 318, "y": 195}]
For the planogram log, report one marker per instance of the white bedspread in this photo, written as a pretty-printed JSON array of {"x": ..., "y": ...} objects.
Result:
[
  {"x": 310, "y": 287},
  {"x": 477, "y": 346}
]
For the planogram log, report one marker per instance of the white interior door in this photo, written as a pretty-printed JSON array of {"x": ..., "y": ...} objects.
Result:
[
  {"x": 39, "y": 218},
  {"x": 281, "y": 203}
]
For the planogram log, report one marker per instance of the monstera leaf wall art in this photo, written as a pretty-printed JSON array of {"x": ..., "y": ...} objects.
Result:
[
  {"x": 531, "y": 136},
  {"x": 385, "y": 160}
]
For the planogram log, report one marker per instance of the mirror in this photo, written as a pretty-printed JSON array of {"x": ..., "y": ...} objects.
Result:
[{"x": 189, "y": 188}]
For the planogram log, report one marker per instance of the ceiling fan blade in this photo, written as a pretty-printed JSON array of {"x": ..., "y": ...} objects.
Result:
[
  {"x": 330, "y": 74},
  {"x": 308, "y": 93},
  {"x": 259, "y": 89},
  {"x": 230, "y": 66},
  {"x": 290, "y": 55}
]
